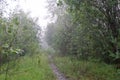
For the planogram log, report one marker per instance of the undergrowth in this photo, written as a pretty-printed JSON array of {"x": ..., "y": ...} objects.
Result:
[
  {"x": 30, "y": 68},
  {"x": 86, "y": 70}
]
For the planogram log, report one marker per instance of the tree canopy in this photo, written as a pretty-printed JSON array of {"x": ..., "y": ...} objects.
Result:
[{"x": 87, "y": 29}]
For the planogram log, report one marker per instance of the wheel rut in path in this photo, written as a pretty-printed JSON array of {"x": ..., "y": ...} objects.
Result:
[{"x": 58, "y": 74}]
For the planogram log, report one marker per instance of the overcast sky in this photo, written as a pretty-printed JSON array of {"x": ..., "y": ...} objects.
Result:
[{"x": 37, "y": 8}]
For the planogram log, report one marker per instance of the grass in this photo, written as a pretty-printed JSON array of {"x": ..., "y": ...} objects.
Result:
[
  {"x": 86, "y": 70},
  {"x": 30, "y": 68}
]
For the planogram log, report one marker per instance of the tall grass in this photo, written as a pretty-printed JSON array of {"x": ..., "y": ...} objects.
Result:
[
  {"x": 30, "y": 68},
  {"x": 86, "y": 70}
]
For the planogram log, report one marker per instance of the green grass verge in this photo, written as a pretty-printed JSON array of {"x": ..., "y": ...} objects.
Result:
[
  {"x": 86, "y": 70},
  {"x": 30, "y": 68}
]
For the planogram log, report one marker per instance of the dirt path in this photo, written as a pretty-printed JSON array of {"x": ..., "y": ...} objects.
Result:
[{"x": 57, "y": 73}]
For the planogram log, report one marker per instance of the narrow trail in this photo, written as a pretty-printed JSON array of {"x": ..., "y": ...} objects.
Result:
[{"x": 58, "y": 74}]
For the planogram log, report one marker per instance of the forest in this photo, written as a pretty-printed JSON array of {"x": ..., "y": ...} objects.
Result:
[{"x": 83, "y": 43}]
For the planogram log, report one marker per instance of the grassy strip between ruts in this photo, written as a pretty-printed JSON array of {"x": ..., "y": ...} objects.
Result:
[
  {"x": 31, "y": 68},
  {"x": 86, "y": 70}
]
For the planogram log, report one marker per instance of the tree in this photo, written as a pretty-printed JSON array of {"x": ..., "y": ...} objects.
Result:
[{"x": 93, "y": 30}]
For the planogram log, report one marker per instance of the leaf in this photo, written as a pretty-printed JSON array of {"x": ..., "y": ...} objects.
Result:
[{"x": 5, "y": 46}]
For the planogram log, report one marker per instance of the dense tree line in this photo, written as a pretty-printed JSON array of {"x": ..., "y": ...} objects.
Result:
[
  {"x": 18, "y": 35},
  {"x": 87, "y": 28}
]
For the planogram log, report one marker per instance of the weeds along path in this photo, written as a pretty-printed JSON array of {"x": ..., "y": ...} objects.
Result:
[{"x": 56, "y": 71}]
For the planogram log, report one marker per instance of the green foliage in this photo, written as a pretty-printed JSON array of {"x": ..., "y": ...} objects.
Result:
[
  {"x": 18, "y": 37},
  {"x": 86, "y": 70},
  {"x": 87, "y": 29},
  {"x": 19, "y": 31},
  {"x": 28, "y": 68}
]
